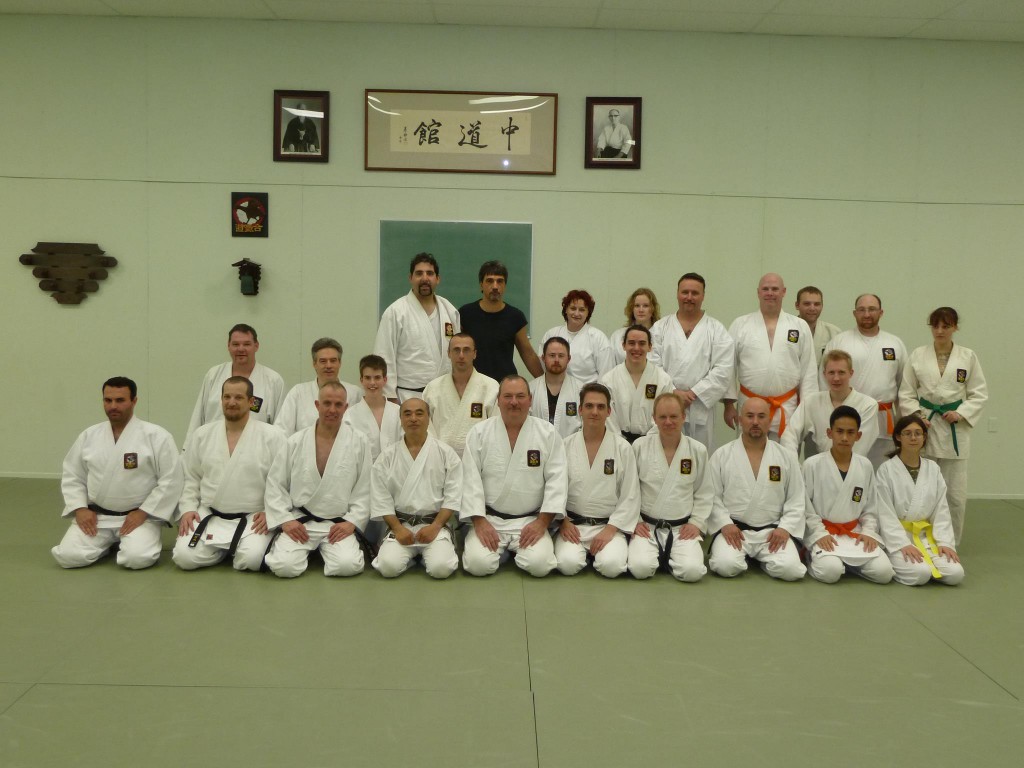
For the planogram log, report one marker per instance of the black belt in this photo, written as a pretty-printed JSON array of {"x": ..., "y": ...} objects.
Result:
[
  {"x": 235, "y": 537},
  {"x": 583, "y": 520},
  {"x": 503, "y": 516},
  {"x": 745, "y": 527},
  {"x": 631, "y": 437},
  {"x": 410, "y": 389},
  {"x": 416, "y": 519},
  {"x": 102, "y": 511},
  {"x": 664, "y": 551},
  {"x": 369, "y": 551}
]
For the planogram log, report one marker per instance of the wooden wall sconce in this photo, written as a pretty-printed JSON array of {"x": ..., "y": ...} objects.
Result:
[{"x": 69, "y": 270}]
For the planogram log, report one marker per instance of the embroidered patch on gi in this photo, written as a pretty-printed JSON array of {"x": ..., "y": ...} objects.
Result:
[
  {"x": 650, "y": 391},
  {"x": 793, "y": 337},
  {"x": 888, "y": 353},
  {"x": 533, "y": 458},
  {"x": 774, "y": 473},
  {"x": 961, "y": 375},
  {"x": 476, "y": 410},
  {"x": 685, "y": 466},
  {"x": 257, "y": 403},
  {"x": 449, "y": 330},
  {"x": 131, "y": 461},
  {"x": 609, "y": 466},
  {"x": 858, "y": 494},
  {"x": 570, "y": 409}
]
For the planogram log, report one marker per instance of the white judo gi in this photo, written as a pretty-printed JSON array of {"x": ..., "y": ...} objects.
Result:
[
  {"x": 298, "y": 410},
  {"x": 916, "y": 514},
  {"x": 633, "y": 405},
  {"x": 525, "y": 482},
  {"x": 842, "y": 507},
  {"x": 451, "y": 416},
  {"x": 233, "y": 484},
  {"x": 267, "y": 389},
  {"x": 416, "y": 490},
  {"x": 387, "y": 433},
  {"x": 775, "y": 498},
  {"x": 567, "y": 409},
  {"x": 963, "y": 382},
  {"x": 606, "y": 492},
  {"x": 783, "y": 373},
  {"x": 822, "y": 335},
  {"x": 704, "y": 362},
  {"x": 671, "y": 494},
  {"x": 878, "y": 365},
  {"x": 294, "y": 484},
  {"x": 589, "y": 350},
  {"x": 415, "y": 345},
  {"x": 142, "y": 470},
  {"x": 615, "y": 340},
  {"x": 811, "y": 418}
]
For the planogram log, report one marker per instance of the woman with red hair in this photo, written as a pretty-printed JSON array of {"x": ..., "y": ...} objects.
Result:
[{"x": 589, "y": 350}]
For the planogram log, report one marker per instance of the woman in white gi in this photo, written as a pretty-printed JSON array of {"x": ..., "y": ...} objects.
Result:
[
  {"x": 911, "y": 492},
  {"x": 943, "y": 382},
  {"x": 641, "y": 309},
  {"x": 590, "y": 350},
  {"x": 635, "y": 384}
]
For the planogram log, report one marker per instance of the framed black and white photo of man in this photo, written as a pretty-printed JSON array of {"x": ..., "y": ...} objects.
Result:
[
  {"x": 301, "y": 126},
  {"x": 612, "y": 138}
]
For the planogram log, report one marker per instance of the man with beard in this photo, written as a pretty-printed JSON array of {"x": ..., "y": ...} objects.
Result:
[{"x": 556, "y": 395}]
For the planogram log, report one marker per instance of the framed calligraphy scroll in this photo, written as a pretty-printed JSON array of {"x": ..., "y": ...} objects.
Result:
[{"x": 461, "y": 131}]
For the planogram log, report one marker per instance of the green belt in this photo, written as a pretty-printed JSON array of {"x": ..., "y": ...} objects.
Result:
[{"x": 941, "y": 409}]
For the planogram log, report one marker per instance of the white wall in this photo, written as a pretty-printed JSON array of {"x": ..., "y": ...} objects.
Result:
[{"x": 858, "y": 165}]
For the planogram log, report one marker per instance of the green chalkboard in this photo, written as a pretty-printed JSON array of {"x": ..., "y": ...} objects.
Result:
[{"x": 460, "y": 247}]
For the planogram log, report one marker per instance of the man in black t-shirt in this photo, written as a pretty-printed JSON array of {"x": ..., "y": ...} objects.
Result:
[{"x": 497, "y": 327}]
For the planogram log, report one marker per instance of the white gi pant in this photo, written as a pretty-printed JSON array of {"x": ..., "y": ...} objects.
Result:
[
  {"x": 829, "y": 568},
  {"x": 915, "y": 574},
  {"x": 538, "y": 559},
  {"x": 572, "y": 557},
  {"x": 139, "y": 549},
  {"x": 954, "y": 472},
  {"x": 783, "y": 564},
  {"x": 702, "y": 433},
  {"x": 685, "y": 561},
  {"x": 248, "y": 555},
  {"x": 288, "y": 558},
  {"x": 439, "y": 558}
]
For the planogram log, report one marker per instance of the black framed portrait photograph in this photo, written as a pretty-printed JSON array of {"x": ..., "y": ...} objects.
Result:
[
  {"x": 612, "y": 138},
  {"x": 301, "y": 122}
]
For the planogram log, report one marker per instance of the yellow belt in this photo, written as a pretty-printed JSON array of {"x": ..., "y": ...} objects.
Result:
[{"x": 915, "y": 529}]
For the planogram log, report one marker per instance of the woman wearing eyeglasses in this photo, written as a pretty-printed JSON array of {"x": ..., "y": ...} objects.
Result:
[{"x": 912, "y": 511}]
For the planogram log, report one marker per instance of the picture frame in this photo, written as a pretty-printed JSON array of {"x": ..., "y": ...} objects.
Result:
[
  {"x": 302, "y": 126},
  {"x": 460, "y": 131},
  {"x": 613, "y": 122}
]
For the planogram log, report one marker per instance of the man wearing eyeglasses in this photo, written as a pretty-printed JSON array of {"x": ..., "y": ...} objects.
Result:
[{"x": 615, "y": 140}]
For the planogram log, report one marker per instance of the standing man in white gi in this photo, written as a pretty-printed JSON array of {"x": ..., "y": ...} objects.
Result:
[
  {"x": 604, "y": 493},
  {"x": 758, "y": 507},
  {"x": 121, "y": 481},
  {"x": 226, "y": 464},
  {"x": 878, "y": 360},
  {"x": 774, "y": 358},
  {"x": 267, "y": 384},
  {"x": 299, "y": 408},
  {"x": 415, "y": 330},
  {"x": 460, "y": 399},
  {"x": 415, "y": 488},
  {"x": 555, "y": 395},
  {"x": 809, "y": 303},
  {"x": 514, "y": 486},
  {"x": 635, "y": 384},
  {"x": 318, "y": 493},
  {"x": 698, "y": 353}
]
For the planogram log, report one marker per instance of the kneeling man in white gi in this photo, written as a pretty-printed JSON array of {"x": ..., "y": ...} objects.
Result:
[
  {"x": 759, "y": 500},
  {"x": 842, "y": 520},
  {"x": 675, "y": 497},
  {"x": 514, "y": 486},
  {"x": 226, "y": 464},
  {"x": 604, "y": 492},
  {"x": 415, "y": 487},
  {"x": 121, "y": 481},
  {"x": 318, "y": 493}
]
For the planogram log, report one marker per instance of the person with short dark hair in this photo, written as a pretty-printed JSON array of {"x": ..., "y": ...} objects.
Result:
[
  {"x": 461, "y": 399},
  {"x": 299, "y": 408},
  {"x": 592, "y": 354},
  {"x": 555, "y": 396},
  {"x": 809, "y": 303},
  {"x": 635, "y": 385},
  {"x": 374, "y": 415}
]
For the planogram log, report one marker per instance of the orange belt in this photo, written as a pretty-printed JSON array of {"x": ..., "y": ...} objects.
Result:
[
  {"x": 774, "y": 404},
  {"x": 841, "y": 529},
  {"x": 887, "y": 407}
]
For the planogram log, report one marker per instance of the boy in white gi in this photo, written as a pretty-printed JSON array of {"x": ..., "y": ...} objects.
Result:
[
  {"x": 604, "y": 492},
  {"x": 299, "y": 408},
  {"x": 121, "y": 481},
  {"x": 555, "y": 395},
  {"x": 759, "y": 500},
  {"x": 374, "y": 415},
  {"x": 318, "y": 493},
  {"x": 226, "y": 464},
  {"x": 635, "y": 384},
  {"x": 461, "y": 399},
  {"x": 842, "y": 521},
  {"x": 675, "y": 497},
  {"x": 415, "y": 487},
  {"x": 514, "y": 486}
]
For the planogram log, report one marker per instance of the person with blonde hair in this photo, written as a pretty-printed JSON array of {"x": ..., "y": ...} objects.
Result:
[{"x": 642, "y": 308}]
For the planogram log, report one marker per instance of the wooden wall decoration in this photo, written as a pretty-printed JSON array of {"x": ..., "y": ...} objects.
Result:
[{"x": 69, "y": 270}]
